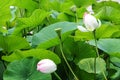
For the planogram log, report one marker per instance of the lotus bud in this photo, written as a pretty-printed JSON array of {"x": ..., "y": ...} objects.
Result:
[
  {"x": 91, "y": 23},
  {"x": 46, "y": 66},
  {"x": 73, "y": 8}
]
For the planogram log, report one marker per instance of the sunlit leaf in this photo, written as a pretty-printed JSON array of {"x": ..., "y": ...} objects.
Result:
[
  {"x": 108, "y": 11},
  {"x": 5, "y": 14},
  {"x": 34, "y": 20},
  {"x": 83, "y": 2},
  {"x": 37, "y": 53},
  {"x": 11, "y": 43},
  {"x": 26, "y": 4},
  {"x": 47, "y": 37}
]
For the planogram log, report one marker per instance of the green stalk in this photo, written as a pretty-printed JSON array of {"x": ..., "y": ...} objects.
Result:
[
  {"x": 57, "y": 76},
  {"x": 67, "y": 62},
  {"x": 95, "y": 68},
  {"x": 108, "y": 66},
  {"x": 76, "y": 16},
  {"x": 97, "y": 53},
  {"x": 96, "y": 49},
  {"x": 104, "y": 75},
  {"x": 58, "y": 31}
]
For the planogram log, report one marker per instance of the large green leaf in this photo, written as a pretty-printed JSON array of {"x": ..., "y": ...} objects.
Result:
[
  {"x": 27, "y": 4},
  {"x": 108, "y": 45},
  {"x": 79, "y": 35},
  {"x": 98, "y": 6},
  {"x": 108, "y": 11},
  {"x": 88, "y": 65},
  {"x": 49, "y": 4},
  {"x": 5, "y": 11},
  {"x": 47, "y": 37},
  {"x": 68, "y": 8},
  {"x": 83, "y": 2},
  {"x": 82, "y": 51},
  {"x": 34, "y": 20},
  {"x": 76, "y": 50},
  {"x": 38, "y": 53},
  {"x": 106, "y": 30},
  {"x": 11, "y": 43},
  {"x": 115, "y": 61},
  {"x": 24, "y": 69}
]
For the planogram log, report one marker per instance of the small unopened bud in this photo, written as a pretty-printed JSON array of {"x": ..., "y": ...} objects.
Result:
[
  {"x": 58, "y": 31},
  {"x": 73, "y": 8},
  {"x": 46, "y": 66}
]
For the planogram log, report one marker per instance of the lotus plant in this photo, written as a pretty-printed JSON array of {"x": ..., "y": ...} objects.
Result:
[
  {"x": 90, "y": 22},
  {"x": 46, "y": 66}
]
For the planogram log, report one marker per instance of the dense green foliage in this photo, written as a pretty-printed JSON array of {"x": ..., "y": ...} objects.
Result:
[{"x": 28, "y": 34}]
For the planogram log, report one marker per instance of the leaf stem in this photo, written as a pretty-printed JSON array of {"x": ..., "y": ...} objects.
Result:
[
  {"x": 76, "y": 17},
  {"x": 96, "y": 49},
  {"x": 97, "y": 54},
  {"x": 108, "y": 66},
  {"x": 95, "y": 68},
  {"x": 67, "y": 62},
  {"x": 57, "y": 76},
  {"x": 104, "y": 75},
  {"x": 58, "y": 31}
]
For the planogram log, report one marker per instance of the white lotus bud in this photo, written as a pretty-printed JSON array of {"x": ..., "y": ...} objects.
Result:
[
  {"x": 46, "y": 66},
  {"x": 91, "y": 23}
]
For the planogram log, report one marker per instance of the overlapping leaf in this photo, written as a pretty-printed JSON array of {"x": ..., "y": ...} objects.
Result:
[
  {"x": 5, "y": 11},
  {"x": 30, "y": 5},
  {"x": 24, "y": 69},
  {"x": 108, "y": 11},
  {"x": 11, "y": 43},
  {"x": 108, "y": 45},
  {"x": 34, "y": 20},
  {"x": 88, "y": 65},
  {"x": 38, "y": 53},
  {"x": 47, "y": 37}
]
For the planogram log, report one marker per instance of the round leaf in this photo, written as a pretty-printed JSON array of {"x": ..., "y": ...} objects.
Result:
[
  {"x": 24, "y": 69},
  {"x": 88, "y": 65}
]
